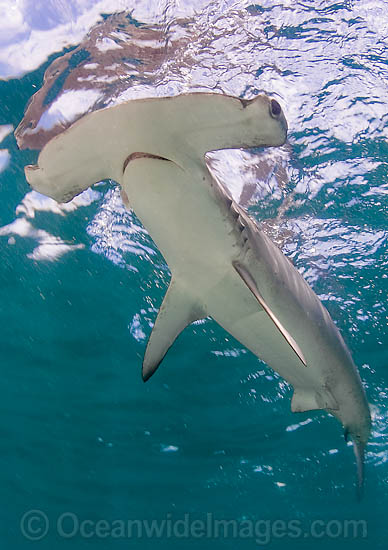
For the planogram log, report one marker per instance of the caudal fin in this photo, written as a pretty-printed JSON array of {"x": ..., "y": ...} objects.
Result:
[{"x": 359, "y": 452}]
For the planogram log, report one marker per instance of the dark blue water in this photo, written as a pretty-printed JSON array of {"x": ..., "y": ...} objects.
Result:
[{"x": 96, "y": 453}]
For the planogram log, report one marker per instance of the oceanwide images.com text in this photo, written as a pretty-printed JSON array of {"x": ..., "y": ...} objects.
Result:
[{"x": 36, "y": 525}]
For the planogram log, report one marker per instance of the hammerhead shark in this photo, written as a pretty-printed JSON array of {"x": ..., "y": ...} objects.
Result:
[{"x": 222, "y": 265}]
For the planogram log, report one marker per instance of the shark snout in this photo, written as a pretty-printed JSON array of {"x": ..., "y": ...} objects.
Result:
[
  {"x": 276, "y": 112},
  {"x": 284, "y": 124}
]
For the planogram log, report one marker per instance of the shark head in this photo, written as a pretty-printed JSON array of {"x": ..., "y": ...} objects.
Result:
[{"x": 186, "y": 126}]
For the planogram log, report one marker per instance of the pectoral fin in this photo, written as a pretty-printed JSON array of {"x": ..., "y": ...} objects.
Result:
[
  {"x": 176, "y": 312},
  {"x": 251, "y": 284}
]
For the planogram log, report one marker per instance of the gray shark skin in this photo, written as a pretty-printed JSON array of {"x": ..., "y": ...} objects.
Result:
[{"x": 222, "y": 264}]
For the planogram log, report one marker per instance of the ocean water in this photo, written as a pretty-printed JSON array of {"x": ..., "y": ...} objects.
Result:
[{"x": 90, "y": 457}]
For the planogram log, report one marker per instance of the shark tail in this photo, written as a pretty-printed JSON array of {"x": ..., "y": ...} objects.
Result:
[{"x": 359, "y": 452}]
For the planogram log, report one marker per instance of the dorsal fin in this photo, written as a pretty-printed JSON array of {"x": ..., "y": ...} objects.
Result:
[
  {"x": 250, "y": 282},
  {"x": 177, "y": 311}
]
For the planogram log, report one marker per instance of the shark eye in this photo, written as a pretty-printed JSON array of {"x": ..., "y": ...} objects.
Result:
[{"x": 275, "y": 108}]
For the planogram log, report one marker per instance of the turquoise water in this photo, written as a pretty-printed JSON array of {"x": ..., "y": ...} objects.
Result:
[{"x": 212, "y": 431}]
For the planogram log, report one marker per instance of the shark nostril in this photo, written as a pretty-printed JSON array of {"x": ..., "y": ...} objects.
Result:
[{"x": 275, "y": 108}]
